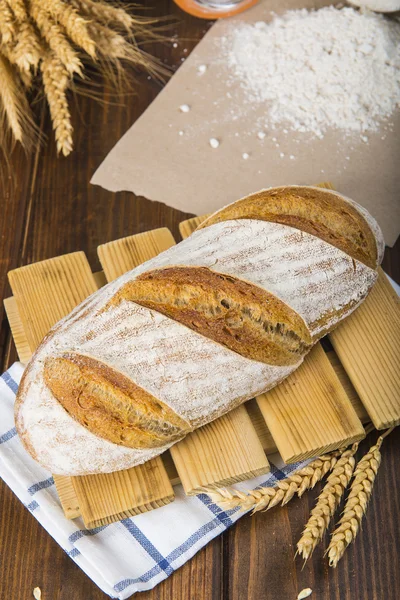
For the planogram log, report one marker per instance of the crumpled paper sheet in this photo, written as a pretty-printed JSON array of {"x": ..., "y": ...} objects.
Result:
[{"x": 153, "y": 159}]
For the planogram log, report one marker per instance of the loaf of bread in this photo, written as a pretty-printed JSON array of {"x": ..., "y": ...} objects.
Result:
[{"x": 191, "y": 334}]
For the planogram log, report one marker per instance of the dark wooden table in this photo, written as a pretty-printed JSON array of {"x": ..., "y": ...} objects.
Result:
[{"x": 48, "y": 208}]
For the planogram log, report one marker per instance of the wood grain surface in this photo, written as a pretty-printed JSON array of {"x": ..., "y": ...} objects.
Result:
[
  {"x": 311, "y": 409},
  {"x": 48, "y": 208},
  {"x": 369, "y": 349}
]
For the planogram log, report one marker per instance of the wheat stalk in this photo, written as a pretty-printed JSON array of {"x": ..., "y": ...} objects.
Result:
[
  {"x": 356, "y": 503},
  {"x": 265, "y": 498},
  {"x": 112, "y": 47},
  {"x": 7, "y": 23},
  {"x": 54, "y": 36},
  {"x": 19, "y": 9},
  {"x": 327, "y": 503},
  {"x": 106, "y": 14},
  {"x": 54, "y": 39},
  {"x": 109, "y": 43},
  {"x": 27, "y": 51},
  {"x": 75, "y": 26},
  {"x": 56, "y": 81},
  {"x": 14, "y": 107}
]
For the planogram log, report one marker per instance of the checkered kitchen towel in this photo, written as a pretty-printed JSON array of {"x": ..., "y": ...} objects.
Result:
[{"x": 125, "y": 557}]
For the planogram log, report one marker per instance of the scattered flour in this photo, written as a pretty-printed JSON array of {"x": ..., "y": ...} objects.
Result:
[{"x": 318, "y": 70}]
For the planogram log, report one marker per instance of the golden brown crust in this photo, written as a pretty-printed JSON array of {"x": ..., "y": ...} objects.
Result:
[
  {"x": 228, "y": 310},
  {"x": 109, "y": 404},
  {"x": 316, "y": 211}
]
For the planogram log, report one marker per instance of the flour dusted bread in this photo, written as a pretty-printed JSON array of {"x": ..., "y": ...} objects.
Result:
[{"x": 180, "y": 340}]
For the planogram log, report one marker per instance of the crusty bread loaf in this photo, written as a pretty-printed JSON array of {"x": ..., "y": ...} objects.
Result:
[{"x": 177, "y": 342}]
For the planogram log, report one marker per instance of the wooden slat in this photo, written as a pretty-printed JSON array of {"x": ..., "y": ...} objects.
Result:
[
  {"x": 44, "y": 293},
  {"x": 368, "y": 345},
  {"x": 122, "y": 255},
  {"x": 309, "y": 413},
  {"x": 260, "y": 426},
  {"x": 67, "y": 495},
  {"x": 100, "y": 278},
  {"x": 20, "y": 340},
  {"x": 348, "y": 387},
  {"x": 211, "y": 467},
  {"x": 17, "y": 329},
  {"x": 220, "y": 453},
  {"x": 186, "y": 228},
  {"x": 109, "y": 497},
  {"x": 47, "y": 291}
]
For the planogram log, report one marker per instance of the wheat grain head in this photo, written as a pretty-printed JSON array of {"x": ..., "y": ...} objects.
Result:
[
  {"x": 55, "y": 38},
  {"x": 327, "y": 503},
  {"x": 356, "y": 503},
  {"x": 265, "y": 498},
  {"x": 7, "y": 23},
  {"x": 56, "y": 81}
]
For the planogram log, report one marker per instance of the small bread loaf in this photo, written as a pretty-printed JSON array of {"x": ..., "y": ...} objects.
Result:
[{"x": 191, "y": 334}]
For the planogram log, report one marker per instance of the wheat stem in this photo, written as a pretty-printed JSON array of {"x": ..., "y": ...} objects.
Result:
[
  {"x": 265, "y": 498},
  {"x": 356, "y": 503},
  {"x": 327, "y": 503}
]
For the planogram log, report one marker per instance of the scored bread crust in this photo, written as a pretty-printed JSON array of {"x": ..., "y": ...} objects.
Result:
[
  {"x": 110, "y": 404},
  {"x": 320, "y": 282},
  {"x": 112, "y": 338},
  {"x": 324, "y": 213},
  {"x": 233, "y": 312}
]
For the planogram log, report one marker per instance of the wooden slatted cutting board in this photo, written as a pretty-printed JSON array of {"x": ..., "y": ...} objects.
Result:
[{"x": 316, "y": 409}]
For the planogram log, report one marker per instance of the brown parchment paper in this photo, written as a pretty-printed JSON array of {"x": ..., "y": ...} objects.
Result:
[{"x": 182, "y": 170}]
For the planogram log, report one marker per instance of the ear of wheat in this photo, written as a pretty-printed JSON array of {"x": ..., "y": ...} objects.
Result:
[
  {"x": 265, "y": 498},
  {"x": 50, "y": 43},
  {"x": 327, "y": 503},
  {"x": 356, "y": 503}
]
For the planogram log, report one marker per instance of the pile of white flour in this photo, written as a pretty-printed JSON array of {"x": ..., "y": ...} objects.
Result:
[{"x": 317, "y": 70}]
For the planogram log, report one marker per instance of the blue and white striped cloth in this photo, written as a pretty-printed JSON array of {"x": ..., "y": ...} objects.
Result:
[{"x": 129, "y": 556}]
